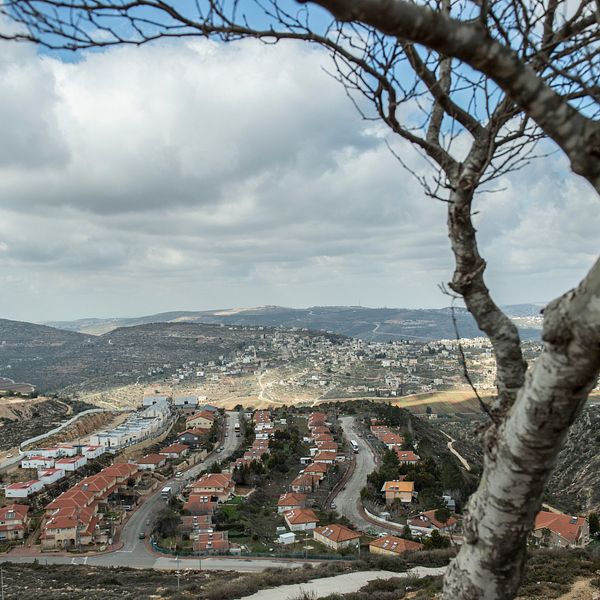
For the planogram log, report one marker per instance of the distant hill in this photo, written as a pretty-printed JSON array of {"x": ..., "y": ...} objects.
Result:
[
  {"x": 54, "y": 359},
  {"x": 371, "y": 324}
]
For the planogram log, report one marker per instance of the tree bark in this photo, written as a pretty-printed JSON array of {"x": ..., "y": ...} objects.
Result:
[
  {"x": 521, "y": 454},
  {"x": 468, "y": 281}
]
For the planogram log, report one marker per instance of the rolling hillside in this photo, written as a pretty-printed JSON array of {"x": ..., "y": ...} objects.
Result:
[{"x": 372, "y": 324}]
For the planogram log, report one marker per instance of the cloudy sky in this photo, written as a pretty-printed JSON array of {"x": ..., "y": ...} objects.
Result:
[{"x": 196, "y": 176}]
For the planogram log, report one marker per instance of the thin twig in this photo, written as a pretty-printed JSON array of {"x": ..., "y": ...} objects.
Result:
[{"x": 463, "y": 358}]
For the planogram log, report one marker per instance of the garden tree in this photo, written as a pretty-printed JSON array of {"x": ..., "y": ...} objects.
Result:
[
  {"x": 436, "y": 541},
  {"x": 442, "y": 514},
  {"x": 534, "y": 68}
]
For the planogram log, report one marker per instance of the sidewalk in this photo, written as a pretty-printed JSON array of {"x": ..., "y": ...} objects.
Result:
[{"x": 36, "y": 551}]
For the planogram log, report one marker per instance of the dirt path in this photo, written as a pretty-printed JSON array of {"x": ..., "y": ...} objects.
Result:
[
  {"x": 462, "y": 459},
  {"x": 581, "y": 590},
  {"x": 340, "y": 584}
]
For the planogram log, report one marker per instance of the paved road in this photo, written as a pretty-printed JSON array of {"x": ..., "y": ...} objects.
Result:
[
  {"x": 339, "y": 584},
  {"x": 348, "y": 499}
]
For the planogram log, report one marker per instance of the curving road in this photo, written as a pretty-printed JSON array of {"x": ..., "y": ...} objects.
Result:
[{"x": 348, "y": 499}]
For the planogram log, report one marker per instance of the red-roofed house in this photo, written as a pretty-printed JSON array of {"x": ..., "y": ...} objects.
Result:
[
  {"x": 317, "y": 469},
  {"x": 199, "y": 504},
  {"x": 326, "y": 457},
  {"x": 407, "y": 457},
  {"x": 305, "y": 483},
  {"x": 392, "y": 440},
  {"x": 13, "y": 521},
  {"x": 336, "y": 536},
  {"x": 214, "y": 541},
  {"x": 393, "y": 546},
  {"x": 289, "y": 501},
  {"x": 23, "y": 489},
  {"x": 151, "y": 462},
  {"x": 50, "y": 476},
  {"x": 201, "y": 420},
  {"x": 326, "y": 446},
  {"x": 300, "y": 519},
  {"x": 219, "y": 485},
  {"x": 560, "y": 531},
  {"x": 425, "y": 523},
  {"x": 122, "y": 472},
  {"x": 68, "y": 529}
]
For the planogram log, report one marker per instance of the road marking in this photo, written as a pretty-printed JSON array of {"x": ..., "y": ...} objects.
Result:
[{"x": 123, "y": 550}]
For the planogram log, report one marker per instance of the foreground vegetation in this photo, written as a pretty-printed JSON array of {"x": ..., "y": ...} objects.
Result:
[{"x": 549, "y": 574}]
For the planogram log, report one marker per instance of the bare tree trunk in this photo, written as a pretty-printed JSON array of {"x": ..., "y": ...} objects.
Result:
[
  {"x": 469, "y": 283},
  {"x": 521, "y": 454}
]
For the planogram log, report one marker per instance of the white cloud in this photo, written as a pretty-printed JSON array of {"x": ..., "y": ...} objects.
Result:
[{"x": 196, "y": 175}]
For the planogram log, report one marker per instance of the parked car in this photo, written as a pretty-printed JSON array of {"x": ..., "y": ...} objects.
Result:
[
  {"x": 333, "y": 505},
  {"x": 142, "y": 535},
  {"x": 179, "y": 474}
]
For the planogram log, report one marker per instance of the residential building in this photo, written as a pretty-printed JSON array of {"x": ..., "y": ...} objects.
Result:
[
  {"x": 23, "y": 489},
  {"x": 151, "y": 462},
  {"x": 326, "y": 457},
  {"x": 199, "y": 504},
  {"x": 201, "y": 420},
  {"x": 140, "y": 426},
  {"x": 317, "y": 469},
  {"x": 393, "y": 441},
  {"x": 186, "y": 404},
  {"x": 37, "y": 462},
  {"x": 393, "y": 546},
  {"x": 50, "y": 476},
  {"x": 300, "y": 519},
  {"x": 407, "y": 457},
  {"x": 219, "y": 485},
  {"x": 560, "y": 531},
  {"x": 91, "y": 452},
  {"x": 290, "y": 501},
  {"x": 13, "y": 521},
  {"x": 212, "y": 542},
  {"x": 71, "y": 463},
  {"x": 398, "y": 490},
  {"x": 336, "y": 536},
  {"x": 154, "y": 399},
  {"x": 424, "y": 523},
  {"x": 194, "y": 437},
  {"x": 305, "y": 483},
  {"x": 175, "y": 451}
]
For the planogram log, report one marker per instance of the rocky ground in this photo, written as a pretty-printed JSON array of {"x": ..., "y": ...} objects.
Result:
[{"x": 22, "y": 418}]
